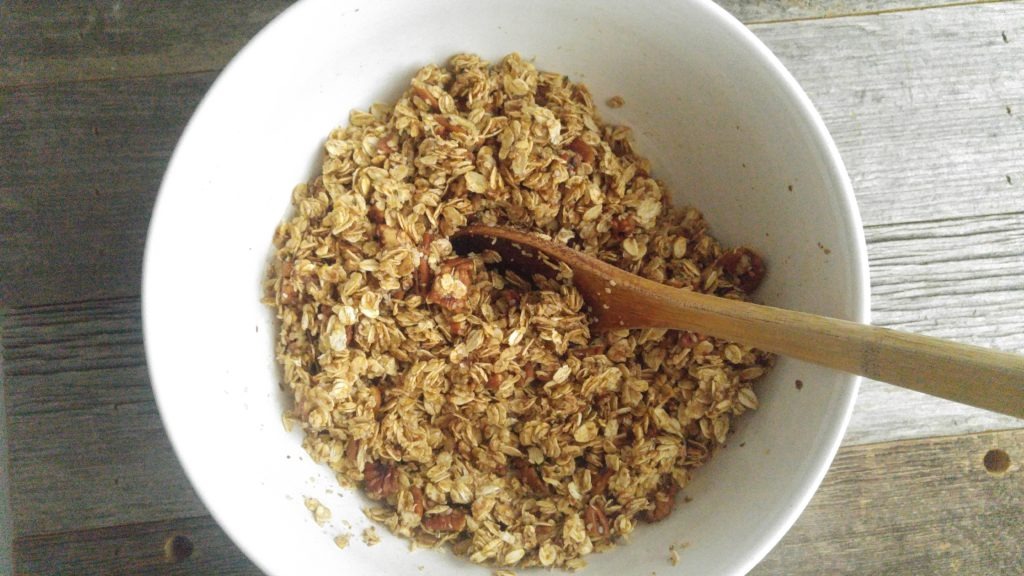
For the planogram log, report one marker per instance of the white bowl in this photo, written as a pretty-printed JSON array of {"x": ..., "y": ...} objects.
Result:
[{"x": 726, "y": 127}]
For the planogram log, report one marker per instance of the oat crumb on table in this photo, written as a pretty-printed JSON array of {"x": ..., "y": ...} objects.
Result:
[
  {"x": 616, "y": 102},
  {"x": 341, "y": 540},
  {"x": 474, "y": 406}
]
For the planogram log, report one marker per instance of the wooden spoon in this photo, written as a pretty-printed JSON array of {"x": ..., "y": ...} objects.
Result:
[{"x": 977, "y": 376}]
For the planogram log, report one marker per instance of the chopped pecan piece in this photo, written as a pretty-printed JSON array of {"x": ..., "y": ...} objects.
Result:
[
  {"x": 587, "y": 351},
  {"x": 451, "y": 286},
  {"x": 600, "y": 482},
  {"x": 426, "y": 96},
  {"x": 544, "y": 532},
  {"x": 444, "y": 123},
  {"x": 423, "y": 274},
  {"x": 380, "y": 480},
  {"x": 352, "y": 451},
  {"x": 451, "y": 521},
  {"x": 288, "y": 294},
  {"x": 417, "y": 500},
  {"x": 596, "y": 522},
  {"x": 745, "y": 266},
  {"x": 664, "y": 501},
  {"x": 375, "y": 215},
  {"x": 377, "y": 400},
  {"x": 529, "y": 476},
  {"x": 624, "y": 225},
  {"x": 586, "y": 151},
  {"x": 456, "y": 328}
]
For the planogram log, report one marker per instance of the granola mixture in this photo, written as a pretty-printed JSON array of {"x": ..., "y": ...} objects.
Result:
[{"x": 477, "y": 408}]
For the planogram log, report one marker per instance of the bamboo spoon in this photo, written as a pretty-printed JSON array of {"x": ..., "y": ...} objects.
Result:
[{"x": 968, "y": 374}]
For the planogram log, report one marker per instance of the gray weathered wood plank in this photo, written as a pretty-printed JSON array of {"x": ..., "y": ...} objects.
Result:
[
  {"x": 135, "y": 549},
  {"x": 113, "y": 39},
  {"x": 81, "y": 167},
  {"x": 83, "y": 40},
  {"x": 6, "y": 516},
  {"x": 912, "y": 507},
  {"x": 892, "y": 508},
  {"x": 959, "y": 278},
  {"x": 926, "y": 107},
  {"x": 87, "y": 446}
]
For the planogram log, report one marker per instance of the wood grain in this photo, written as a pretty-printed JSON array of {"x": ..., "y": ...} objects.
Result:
[
  {"x": 134, "y": 549},
  {"x": 926, "y": 107},
  {"x": 953, "y": 278},
  {"x": 775, "y": 11},
  {"x": 81, "y": 168},
  {"x": 884, "y": 412},
  {"x": 915, "y": 507},
  {"x": 6, "y": 517},
  {"x": 893, "y": 508},
  {"x": 114, "y": 39},
  {"x": 925, "y": 139},
  {"x": 87, "y": 446}
]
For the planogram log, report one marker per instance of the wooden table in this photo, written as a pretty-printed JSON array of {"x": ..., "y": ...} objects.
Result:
[{"x": 925, "y": 99}]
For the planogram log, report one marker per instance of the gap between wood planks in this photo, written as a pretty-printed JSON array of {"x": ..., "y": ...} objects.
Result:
[
  {"x": 942, "y": 220},
  {"x": 898, "y": 508},
  {"x": 871, "y": 12}
]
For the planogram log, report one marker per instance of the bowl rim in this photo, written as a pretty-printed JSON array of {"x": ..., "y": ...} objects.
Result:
[{"x": 835, "y": 168}]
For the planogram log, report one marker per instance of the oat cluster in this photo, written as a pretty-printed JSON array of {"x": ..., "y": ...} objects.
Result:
[{"x": 477, "y": 407}]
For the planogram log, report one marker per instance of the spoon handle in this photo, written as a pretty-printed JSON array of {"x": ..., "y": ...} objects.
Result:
[{"x": 963, "y": 373}]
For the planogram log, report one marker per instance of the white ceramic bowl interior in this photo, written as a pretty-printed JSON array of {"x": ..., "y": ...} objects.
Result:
[{"x": 727, "y": 129}]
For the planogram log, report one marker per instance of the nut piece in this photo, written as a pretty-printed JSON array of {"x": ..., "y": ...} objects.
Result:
[
  {"x": 600, "y": 482},
  {"x": 586, "y": 151},
  {"x": 664, "y": 502},
  {"x": 596, "y": 522},
  {"x": 417, "y": 500},
  {"x": 451, "y": 521},
  {"x": 745, "y": 265},
  {"x": 380, "y": 479},
  {"x": 451, "y": 287},
  {"x": 529, "y": 476},
  {"x": 624, "y": 225}
]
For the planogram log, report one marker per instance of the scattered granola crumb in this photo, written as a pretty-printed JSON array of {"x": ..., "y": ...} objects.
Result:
[
  {"x": 321, "y": 513},
  {"x": 673, "y": 556},
  {"x": 370, "y": 536},
  {"x": 799, "y": 384},
  {"x": 616, "y": 102},
  {"x": 504, "y": 573},
  {"x": 341, "y": 540}
]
